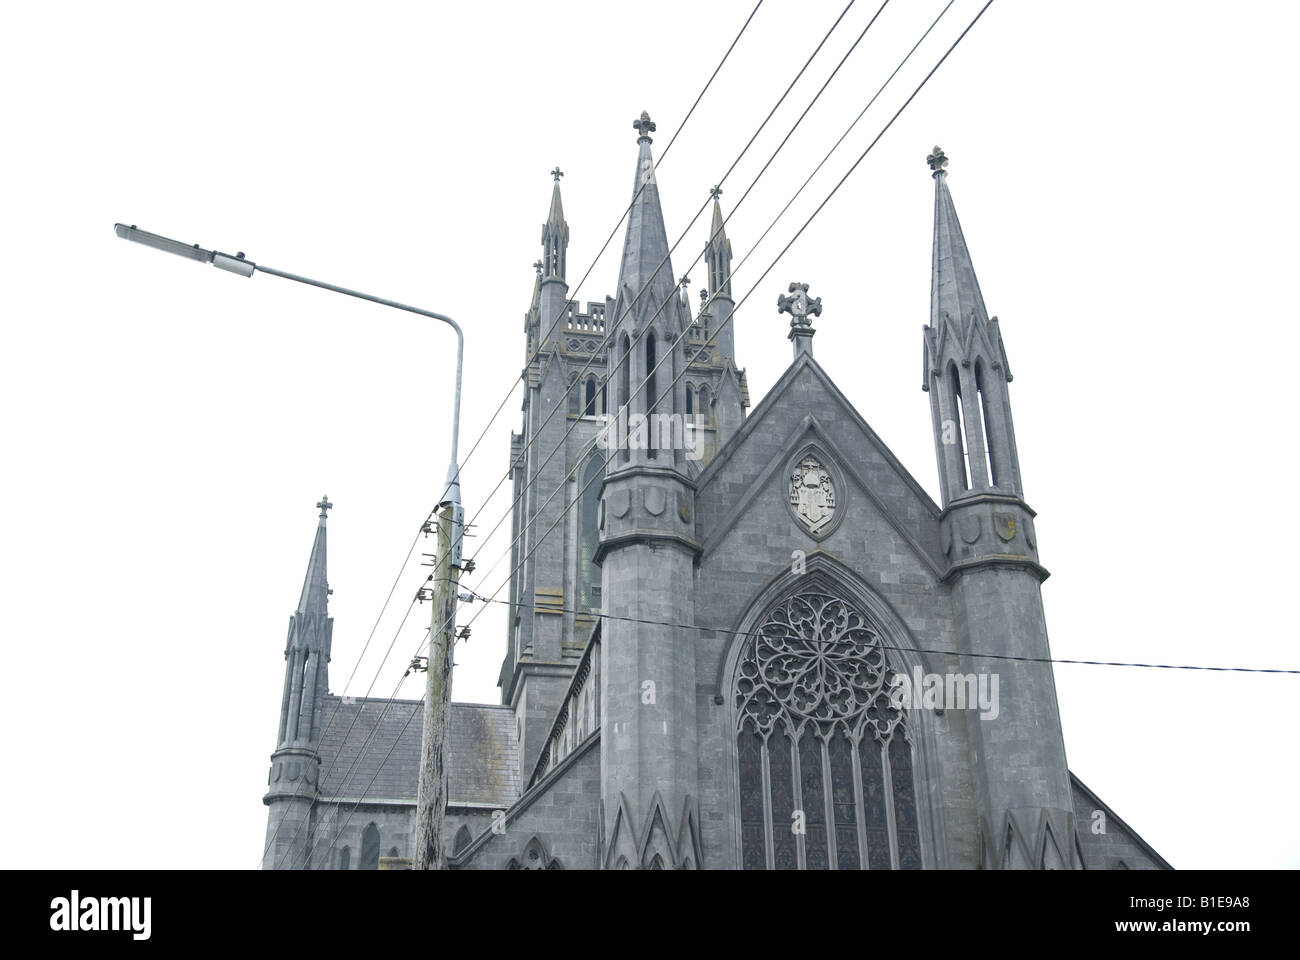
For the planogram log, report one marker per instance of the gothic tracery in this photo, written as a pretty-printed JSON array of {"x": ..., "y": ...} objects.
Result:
[{"x": 814, "y": 714}]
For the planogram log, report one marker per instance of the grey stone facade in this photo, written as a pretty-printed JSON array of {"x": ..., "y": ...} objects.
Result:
[{"x": 722, "y": 648}]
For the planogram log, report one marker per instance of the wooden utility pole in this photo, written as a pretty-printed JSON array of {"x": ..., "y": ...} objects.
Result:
[{"x": 432, "y": 803}]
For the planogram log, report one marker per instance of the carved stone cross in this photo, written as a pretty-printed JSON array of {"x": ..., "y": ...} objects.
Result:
[
  {"x": 557, "y": 173},
  {"x": 799, "y": 305},
  {"x": 537, "y": 265},
  {"x": 937, "y": 161},
  {"x": 324, "y": 505},
  {"x": 715, "y": 192},
  {"x": 644, "y": 126}
]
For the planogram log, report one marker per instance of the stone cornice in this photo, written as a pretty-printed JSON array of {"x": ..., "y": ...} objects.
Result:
[
  {"x": 537, "y": 668},
  {"x": 643, "y": 470},
  {"x": 274, "y": 796},
  {"x": 647, "y": 536},
  {"x": 988, "y": 496},
  {"x": 995, "y": 560}
]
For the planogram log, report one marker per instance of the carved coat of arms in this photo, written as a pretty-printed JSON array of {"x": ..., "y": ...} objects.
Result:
[{"x": 812, "y": 494}]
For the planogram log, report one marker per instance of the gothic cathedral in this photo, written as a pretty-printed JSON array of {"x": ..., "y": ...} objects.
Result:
[{"x": 738, "y": 639}]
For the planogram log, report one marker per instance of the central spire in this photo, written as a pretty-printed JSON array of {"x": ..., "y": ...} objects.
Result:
[{"x": 645, "y": 250}]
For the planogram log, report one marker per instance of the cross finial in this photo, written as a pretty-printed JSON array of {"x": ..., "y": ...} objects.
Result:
[
  {"x": 537, "y": 265},
  {"x": 685, "y": 282},
  {"x": 799, "y": 305},
  {"x": 937, "y": 162},
  {"x": 715, "y": 192},
  {"x": 557, "y": 173},
  {"x": 644, "y": 126},
  {"x": 801, "y": 309},
  {"x": 324, "y": 505}
]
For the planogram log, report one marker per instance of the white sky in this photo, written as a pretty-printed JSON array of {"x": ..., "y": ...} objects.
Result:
[{"x": 1121, "y": 171}]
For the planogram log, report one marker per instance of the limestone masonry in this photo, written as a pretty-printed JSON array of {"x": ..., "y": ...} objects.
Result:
[{"x": 717, "y": 611}]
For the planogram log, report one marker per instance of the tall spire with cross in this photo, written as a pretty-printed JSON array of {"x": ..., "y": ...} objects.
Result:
[
  {"x": 552, "y": 288},
  {"x": 555, "y": 234},
  {"x": 645, "y": 262},
  {"x": 315, "y": 588},
  {"x": 966, "y": 371},
  {"x": 988, "y": 536},
  {"x": 649, "y": 756},
  {"x": 954, "y": 292},
  {"x": 717, "y": 256},
  {"x": 718, "y": 251},
  {"x": 295, "y": 764}
]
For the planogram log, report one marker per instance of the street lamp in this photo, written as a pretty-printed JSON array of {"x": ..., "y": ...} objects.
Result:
[
  {"x": 246, "y": 268},
  {"x": 437, "y": 707}
]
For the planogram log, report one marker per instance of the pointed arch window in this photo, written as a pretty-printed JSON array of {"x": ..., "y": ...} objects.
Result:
[
  {"x": 589, "y": 407},
  {"x": 625, "y": 388},
  {"x": 462, "y": 840},
  {"x": 959, "y": 411},
  {"x": 705, "y": 404},
  {"x": 345, "y": 858},
  {"x": 690, "y": 399},
  {"x": 369, "y": 848},
  {"x": 574, "y": 398},
  {"x": 990, "y": 451},
  {"x": 589, "y": 532},
  {"x": 651, "y": 394},
  {"x": 825, "y": 757}
]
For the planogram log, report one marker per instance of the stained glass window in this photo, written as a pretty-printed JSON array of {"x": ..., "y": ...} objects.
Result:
[
  {"x": 812, "y": 801},
  {"x": 843, "y": 803},
  {"x": 752, "y": 835},
  {"x": 814, "y": 714}
]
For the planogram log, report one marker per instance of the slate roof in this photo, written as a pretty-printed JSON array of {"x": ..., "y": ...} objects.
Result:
[{"x": 483, "y": 753}]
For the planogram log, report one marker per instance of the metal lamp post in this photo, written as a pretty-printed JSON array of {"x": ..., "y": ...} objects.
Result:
[{"x": 432, "y": 799}]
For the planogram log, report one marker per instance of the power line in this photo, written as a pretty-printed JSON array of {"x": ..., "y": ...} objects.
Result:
[
  {"x": 949, "y": 653},
  {"x": 748, "y": 294},
  {"x": 843, "y": 136},
  {"x": 604, "y": 246},
  {"x": 613, "y": 328},
  {"x": 626, "y": 358},
  {"x": 627, "y": 354}
]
